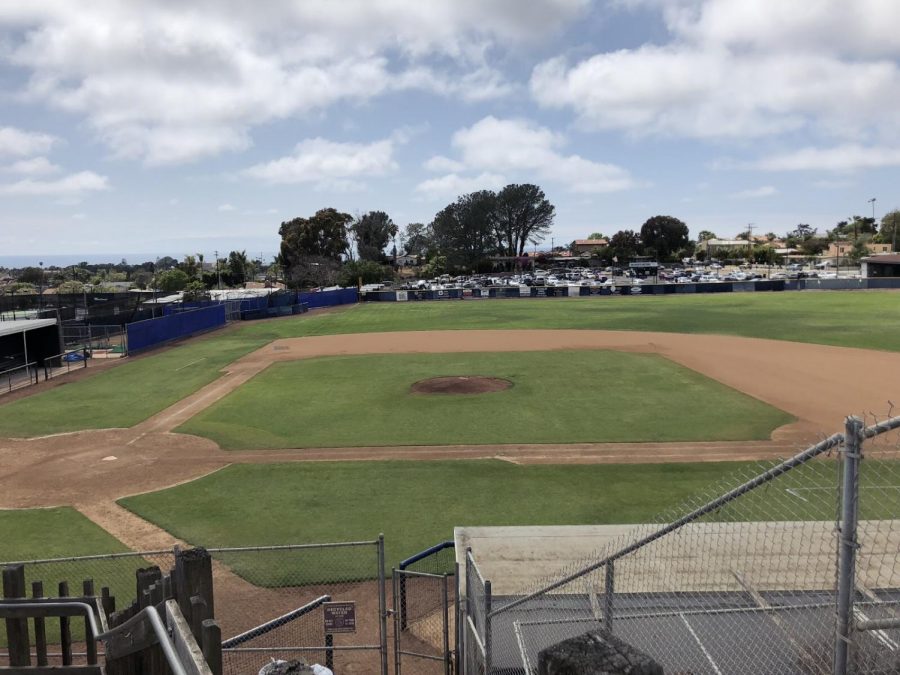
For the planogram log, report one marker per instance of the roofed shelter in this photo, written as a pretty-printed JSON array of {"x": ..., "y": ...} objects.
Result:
[
  {"x": 27, "y": 341},
  {"x": 881, "y": 266}
]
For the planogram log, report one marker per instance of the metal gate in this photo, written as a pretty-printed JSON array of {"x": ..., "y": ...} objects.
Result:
[{"x": 422, "y": 623}]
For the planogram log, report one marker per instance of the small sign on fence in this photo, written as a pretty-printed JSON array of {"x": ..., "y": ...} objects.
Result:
[{"x": 340, "y": 617}]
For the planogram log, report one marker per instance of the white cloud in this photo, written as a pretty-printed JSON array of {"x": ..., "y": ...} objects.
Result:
[
  {"x": 439, "y": 164},
  {"x": 71, "y": 186},
  {"x": 846, "y": 157},
  {"x": 223, "y": 208},
  {"x": 756, "y": 193},
  {"x": 739, "y": 69},
  {"x": 517, "y": 146},
  {"x": 18, "y": 143},
  {"x": 329, "y": 164},
  {"x": 211, "y": 72},
  {"x": 36, "y": 166},
  {"x": 453, "y": 184}
]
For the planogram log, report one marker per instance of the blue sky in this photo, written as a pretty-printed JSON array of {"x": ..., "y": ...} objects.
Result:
[{"x": 163, "y": 127}]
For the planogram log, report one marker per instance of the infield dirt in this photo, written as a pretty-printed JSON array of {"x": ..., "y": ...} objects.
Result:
[{"x": 817, "y": 384}]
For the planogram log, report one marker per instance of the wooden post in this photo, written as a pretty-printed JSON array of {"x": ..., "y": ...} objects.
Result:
[
  {"x": 65, "y": 635},
  {"x": 193, "y": 576},
  {"x": 212, "y": 645},
  {"x": 40, "y": 628},
  {"x": 87, "y": 588},
  {"x": 143, "y": 578},
  {"x": 16, "y": 629},
  {"x": 108, "y": 602},
  {"x": 199, "y": 614}
]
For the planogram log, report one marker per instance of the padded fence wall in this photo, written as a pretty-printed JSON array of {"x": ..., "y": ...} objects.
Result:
[
  {"x": 153, "y": 332},
  {"x": 343, "y": 296}
]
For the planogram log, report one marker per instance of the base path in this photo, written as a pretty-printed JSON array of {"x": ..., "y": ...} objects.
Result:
[{"x": 818, "y": 384}]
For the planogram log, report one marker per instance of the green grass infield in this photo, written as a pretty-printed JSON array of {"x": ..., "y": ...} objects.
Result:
[{"x": 555, "y": 397}]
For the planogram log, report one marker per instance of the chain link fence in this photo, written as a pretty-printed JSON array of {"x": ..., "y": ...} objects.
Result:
[
  {"x": 425, "y": 609},
  {"x": 789, "y": 567},
  {"x": 271, "y": 602}
]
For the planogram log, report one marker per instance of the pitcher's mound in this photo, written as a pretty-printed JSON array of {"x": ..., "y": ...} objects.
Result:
[{"x": 460, "y": 384}]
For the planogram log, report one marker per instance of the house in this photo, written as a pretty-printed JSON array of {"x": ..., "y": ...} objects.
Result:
[
  {"x": 588, "y": 246},
  {"x": 842, "y": 249},
  {"x": 406, "y": 260}
]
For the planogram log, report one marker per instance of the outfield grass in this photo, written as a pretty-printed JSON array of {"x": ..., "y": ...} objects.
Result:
[
  {"x": 556, "y": 397},
  {"x": 31, "y": 534},
  {"x": 28, "y": 534},
  {"x": 415, "y": 504},
  {"x": 129, "y": 393},
  {"x": 841, "y": 318}
]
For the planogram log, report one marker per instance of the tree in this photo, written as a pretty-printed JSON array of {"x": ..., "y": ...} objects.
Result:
[
  {"x": 706, "y": 235},
  {"x": 860, "y": 249},
  {"x": 523, "y": 215},
  {"x": 664, "y": 235},
  {"x": 164, "y": 263},
  {"x": 813, "y": 246},
  {"x": 369, "y": 271},
  {"x": 70, "y": 288},
  {"x": 373, "y": 232},
  {"x": 596, "y": 235},
  {"x": 311, "y": 248},
  {"x": 853, "y": 228},
  {"x": 799, "y": 234},
  {"x": 238, "y": 267},
  {"x": 171, "y": 281},
  {"x": 417, "y": 238},
  {"x": 194, "y": 291},
  {"x": 888, "y": 234},
  {"x": 464, "y": 230},
  {"x": 624, "y": 245},
  {"x": 31, "y": 275},
  {"x": 189, "y": 266}
]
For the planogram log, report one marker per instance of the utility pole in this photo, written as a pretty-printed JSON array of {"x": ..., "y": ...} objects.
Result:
[
  {"x": 750, "y": 228},
  {"x": 872, "y": 202},
  {"x": 218, "y": 274}
]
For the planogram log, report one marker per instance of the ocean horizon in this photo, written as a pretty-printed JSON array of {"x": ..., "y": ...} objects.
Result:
[{"x": 66, "y": 259}]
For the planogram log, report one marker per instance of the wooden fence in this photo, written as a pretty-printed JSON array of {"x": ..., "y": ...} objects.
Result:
[{"x": 168, "y": 630}]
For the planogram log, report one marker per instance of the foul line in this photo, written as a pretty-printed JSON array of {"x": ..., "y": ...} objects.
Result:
[
  {"x": 190, "y": 364},
  {"x": 700, "y": 644}
]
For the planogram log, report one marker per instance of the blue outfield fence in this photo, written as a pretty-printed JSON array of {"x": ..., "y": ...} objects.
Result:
[
  {"x": 342, "y": 296},
  {"x": 153, "y": 332}
]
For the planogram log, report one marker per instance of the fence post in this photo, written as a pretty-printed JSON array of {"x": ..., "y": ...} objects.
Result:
[
  {"x": 847, "y": 543},
  {"x": 608, "y": 590},
  {"x": 488, "y": 640},
  {"x": 395, "y": 582},
  {"x": 382, "y": 606},
  {"x": 16, "y": 629},
  {"x": 445, "y": 599}
]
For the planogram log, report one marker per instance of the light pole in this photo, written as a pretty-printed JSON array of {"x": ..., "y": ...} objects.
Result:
[{"x": 872, "y": 202}]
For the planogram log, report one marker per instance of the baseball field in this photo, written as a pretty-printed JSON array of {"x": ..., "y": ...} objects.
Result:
[{"x": 409, "y": 419}]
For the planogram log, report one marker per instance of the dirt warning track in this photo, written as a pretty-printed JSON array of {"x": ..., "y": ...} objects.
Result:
[{"x": 817, "y": 384}]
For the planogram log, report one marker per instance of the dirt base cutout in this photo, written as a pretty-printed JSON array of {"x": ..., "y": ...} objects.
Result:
[{"x": 460, "y": 384}]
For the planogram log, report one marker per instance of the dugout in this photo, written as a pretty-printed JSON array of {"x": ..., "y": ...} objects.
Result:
[
  {"x": 881, "y": 266},
  {"x": 28, "y": 341}
]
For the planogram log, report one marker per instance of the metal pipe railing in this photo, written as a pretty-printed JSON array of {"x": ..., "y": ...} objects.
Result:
[{"x": 782, "y": 468}]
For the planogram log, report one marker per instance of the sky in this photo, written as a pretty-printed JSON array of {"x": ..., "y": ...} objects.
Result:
[{"x": 164, "y": 127}]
